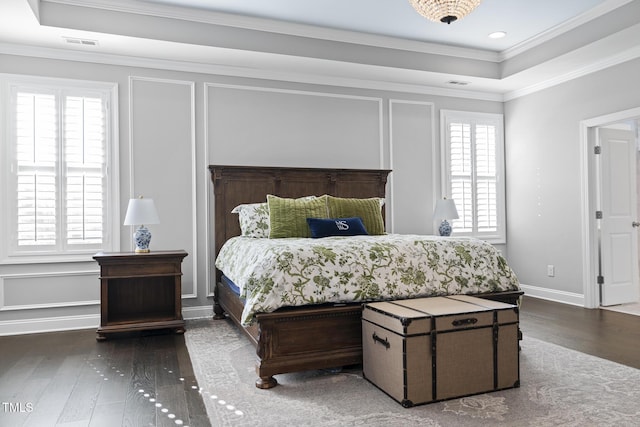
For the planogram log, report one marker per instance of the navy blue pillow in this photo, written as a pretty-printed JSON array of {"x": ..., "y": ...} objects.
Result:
[{"x": 322, "y": 227}]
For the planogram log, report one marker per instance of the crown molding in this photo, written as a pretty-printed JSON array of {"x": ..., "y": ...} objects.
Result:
[
  {"x": 281, "y": 27},
  {"x": 242, "y": 72},
  {"x": 302, "y": 77},
  {"x": 620, "y": 58},
  {"x": 565, "y": 27}
]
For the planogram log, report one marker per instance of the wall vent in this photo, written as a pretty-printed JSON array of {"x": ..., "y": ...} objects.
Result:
[{"x": 79, "y": 41}]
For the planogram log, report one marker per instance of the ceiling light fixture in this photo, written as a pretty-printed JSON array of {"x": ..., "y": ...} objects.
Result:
[
  {"x": 497, "y": 35},
  {"x": 445, "y": 11}
]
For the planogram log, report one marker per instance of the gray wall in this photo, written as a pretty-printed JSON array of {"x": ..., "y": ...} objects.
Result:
[
  {"x": 172, "y": 124},
  {"x": 544, "y": 176}
]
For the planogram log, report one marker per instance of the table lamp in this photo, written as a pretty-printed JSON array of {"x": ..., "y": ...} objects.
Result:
[
  {"x": 139, "y": 212},
  {"x": 445, "y": 209}
]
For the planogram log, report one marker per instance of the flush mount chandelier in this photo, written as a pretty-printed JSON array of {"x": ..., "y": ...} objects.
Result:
[{"x": 445, "y": 11}]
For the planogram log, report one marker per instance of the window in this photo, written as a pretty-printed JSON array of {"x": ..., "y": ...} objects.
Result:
[
  {"x": 473, "y": 168},
  {"x": 58, "y": 157}
]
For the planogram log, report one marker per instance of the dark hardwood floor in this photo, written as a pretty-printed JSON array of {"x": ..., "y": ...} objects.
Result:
[
  {"x": 70, "y": 379},
  {"x": 603, "y": 333}
]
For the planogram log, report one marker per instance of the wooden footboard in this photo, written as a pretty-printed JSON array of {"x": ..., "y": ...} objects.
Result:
[
  {"x": 299, "y": 338},
  {"x": 305, "y": 338}
]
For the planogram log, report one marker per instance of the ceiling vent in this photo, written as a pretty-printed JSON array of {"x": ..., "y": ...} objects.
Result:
[
  {"x": 457, "y": 83},
  {"x": 82, "y": 42}
]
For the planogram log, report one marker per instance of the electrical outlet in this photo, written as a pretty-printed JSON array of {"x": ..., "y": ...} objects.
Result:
[{"x": 551, "y": 270}]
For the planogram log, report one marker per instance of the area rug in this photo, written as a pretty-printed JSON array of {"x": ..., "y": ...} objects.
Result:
[{"x": 559, "y": 387}]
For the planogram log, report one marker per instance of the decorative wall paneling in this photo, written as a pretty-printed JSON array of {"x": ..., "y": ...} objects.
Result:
[
  {"x": 413, "y": 160},
  {"x": 162, "y": 153}
]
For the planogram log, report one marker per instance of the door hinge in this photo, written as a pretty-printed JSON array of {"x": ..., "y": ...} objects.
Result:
[
  {"x": 597, "y": 149},
  {"x": 600, "y": 280},
  {"x": 598, "y": 214}
]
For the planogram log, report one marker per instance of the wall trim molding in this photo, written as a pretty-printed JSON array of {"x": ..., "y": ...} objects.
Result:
[
  {"x": 255, "y": 23},
  {"x": 46, "y": 274},
  {"x": 49, "y": 324},
  {"x": 199, "y": 312},
  {"x": 553, "y": 295},
  {"x": 70, "y": 323},
  {"x": 246, "y": 72},
  {"x": 603, "y": 64},
  {"x": 562, "y": 28},
  {"x": 194, "y": 166},
  {"x": 434, "y": 167},
  {"x": 209, "y": 93},
  {"x": 397, "y": 85},
  {"x": 208, "y": 86}
]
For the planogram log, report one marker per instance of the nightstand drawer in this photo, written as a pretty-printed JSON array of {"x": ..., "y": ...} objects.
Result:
[{"x": 140, "y": 270}]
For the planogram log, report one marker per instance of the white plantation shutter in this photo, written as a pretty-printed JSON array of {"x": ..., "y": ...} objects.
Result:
[
  {"x": 473, "y": 169},
  {"x": 37, "y": 168},
  {"x": 59, "y": 143},
  {"x": 461, "y": 172},
  {"x": 84, "y": 164},
  {"x": 486, "y": 177}
]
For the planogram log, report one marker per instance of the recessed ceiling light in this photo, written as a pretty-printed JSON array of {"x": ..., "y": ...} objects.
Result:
[{"x": 497, "y": 35}]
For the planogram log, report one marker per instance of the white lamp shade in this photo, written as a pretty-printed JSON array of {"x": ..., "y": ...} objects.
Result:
[
  {"x": 445, "y": 209},
  {"x": 141, "y": 211}
]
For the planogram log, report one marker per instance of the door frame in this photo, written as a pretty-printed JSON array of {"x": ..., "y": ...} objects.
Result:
[{"x": 589, "y": 200}]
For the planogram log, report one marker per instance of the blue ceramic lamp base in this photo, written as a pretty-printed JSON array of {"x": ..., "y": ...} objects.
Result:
[
  {"x": 142, "y": 237},
  {"x": 445, "y": 228}
]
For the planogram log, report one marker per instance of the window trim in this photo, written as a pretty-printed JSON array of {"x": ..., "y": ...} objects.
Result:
[
  {"x": 447, "y": 116},
  {"x": 112, "y": 227}
]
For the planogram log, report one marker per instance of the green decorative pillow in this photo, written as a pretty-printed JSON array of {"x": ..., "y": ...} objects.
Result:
[
  {"x": 369, "y": 210},
  {"x": 254, "y": 218},
  {"x": 288, "y": 217}
]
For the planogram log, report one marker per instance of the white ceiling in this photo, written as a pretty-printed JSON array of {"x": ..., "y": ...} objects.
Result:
[{"x": 382, "y": 44}]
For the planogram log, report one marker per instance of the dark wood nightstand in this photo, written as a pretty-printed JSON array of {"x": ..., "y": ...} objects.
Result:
[{"x": 140, "y": 291}]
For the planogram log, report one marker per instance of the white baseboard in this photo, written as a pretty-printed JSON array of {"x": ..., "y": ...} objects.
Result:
[
  {"x": 553, "y": 295},
  {"x": 68, "y": 323},
  {"x": 49, "y": 324},
  {"x": 202, "y": 312}
]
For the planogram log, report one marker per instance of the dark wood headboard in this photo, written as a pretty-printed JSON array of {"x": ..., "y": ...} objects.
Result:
[{"x": 234, "y": 185}]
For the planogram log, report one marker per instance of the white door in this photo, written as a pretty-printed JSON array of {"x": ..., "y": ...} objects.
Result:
[{"x": 618, "y": 229}]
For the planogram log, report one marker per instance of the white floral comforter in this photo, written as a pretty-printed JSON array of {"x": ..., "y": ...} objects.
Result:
[{"x": 273, "y": 273}]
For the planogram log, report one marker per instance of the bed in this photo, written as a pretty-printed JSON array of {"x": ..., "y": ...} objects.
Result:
[{"x": 294, "y": 338}]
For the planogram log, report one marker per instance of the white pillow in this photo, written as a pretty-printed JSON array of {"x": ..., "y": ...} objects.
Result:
[{"x": 254, "y": 219}]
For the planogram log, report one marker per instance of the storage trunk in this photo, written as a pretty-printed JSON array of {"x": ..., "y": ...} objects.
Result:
[{"x": 429, "y": 349}]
